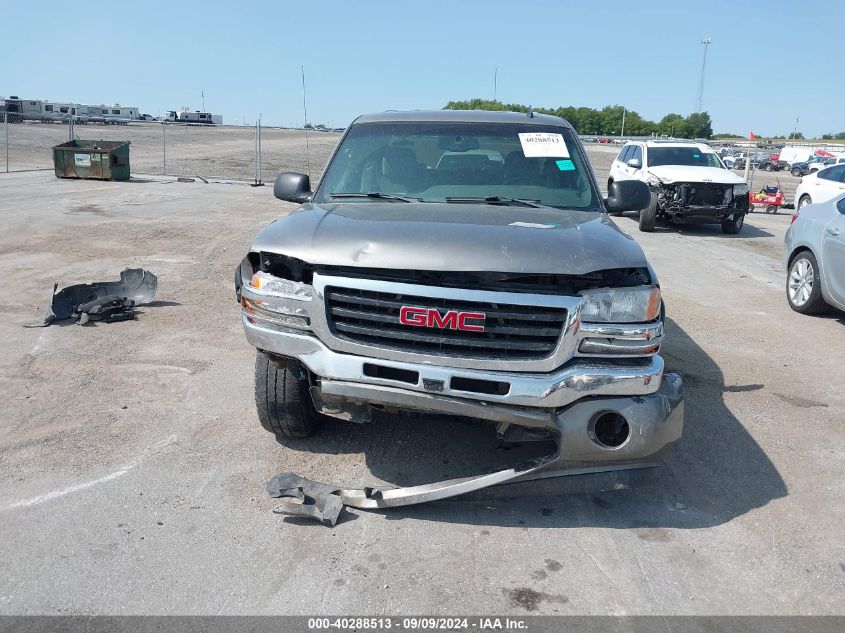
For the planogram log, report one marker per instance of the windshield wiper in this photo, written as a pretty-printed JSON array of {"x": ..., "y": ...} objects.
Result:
[
  {"x": 517, "y": 202},
  {"x": 375, "y": 194}
]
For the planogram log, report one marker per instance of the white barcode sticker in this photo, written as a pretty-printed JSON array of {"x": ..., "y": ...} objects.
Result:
[{"x": 543, "y": 145}]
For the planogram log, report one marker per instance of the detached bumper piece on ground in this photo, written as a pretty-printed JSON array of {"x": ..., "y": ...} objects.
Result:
[
  {"x": 106, "y": 301},
  {"x": 305, "y": 498}
]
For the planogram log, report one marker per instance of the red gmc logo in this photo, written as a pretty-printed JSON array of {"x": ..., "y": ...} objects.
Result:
[{"x": 431, "y": 317}]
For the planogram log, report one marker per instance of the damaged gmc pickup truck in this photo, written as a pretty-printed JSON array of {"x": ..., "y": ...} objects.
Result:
[{"x": 461, "y": 263}]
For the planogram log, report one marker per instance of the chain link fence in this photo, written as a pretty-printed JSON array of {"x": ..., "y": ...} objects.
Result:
[
  {"x": 178, "y": 149},
  {"x": 229, "y": 152}
]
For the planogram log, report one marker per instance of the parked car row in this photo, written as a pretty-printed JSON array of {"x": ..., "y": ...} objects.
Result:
[{"x": 815, "y": 164}]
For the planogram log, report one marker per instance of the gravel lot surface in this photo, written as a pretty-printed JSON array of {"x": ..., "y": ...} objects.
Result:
[
  {"x": 134, "y": 465},
  {"x": 229, "y": 152}
]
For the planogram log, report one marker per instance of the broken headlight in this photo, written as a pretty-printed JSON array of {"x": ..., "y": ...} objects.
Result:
[
  {"x": 275, "y": 302},
  {"x": 620, "y": 305},
  {"x": 267, "y": 284},
  {"x": 652, "y": 181}
]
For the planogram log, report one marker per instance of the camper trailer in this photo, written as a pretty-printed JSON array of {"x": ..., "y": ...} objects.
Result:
[
  {"x": 118, "y": 114},
  {"x": 21, "y": 109},
  {"x": 57, "y": 111},
  {"x": 203, "y": 118}
]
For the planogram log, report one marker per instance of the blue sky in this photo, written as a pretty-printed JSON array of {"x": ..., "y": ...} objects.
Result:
[{"x": 377, "y": 55}]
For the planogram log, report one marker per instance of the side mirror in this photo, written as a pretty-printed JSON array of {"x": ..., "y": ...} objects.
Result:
[
  {"x": 292, "y": 187},
  {"x": 627, "y": 195},
  {"x": 634, "y": 163}
]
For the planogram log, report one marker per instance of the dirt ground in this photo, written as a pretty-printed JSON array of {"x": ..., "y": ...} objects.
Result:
[
  {"x": 212, "y": 152},
  {"x": 229, "y": 152},
  {"x": 133, "y": 464}
]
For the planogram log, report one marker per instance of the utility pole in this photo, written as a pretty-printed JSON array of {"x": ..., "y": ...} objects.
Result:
[
  {"x": 699, "y": 102},
  {"x": 795, "y": 130},
  {"x": 624, "y": 112},
  {"x": 203, "y": 100},
  {"x": 495, "y": 82},
  {"x": 305, "y": 115}
]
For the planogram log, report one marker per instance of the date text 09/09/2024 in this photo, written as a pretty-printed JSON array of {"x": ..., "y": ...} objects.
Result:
[{"x": 418, "y": 623}]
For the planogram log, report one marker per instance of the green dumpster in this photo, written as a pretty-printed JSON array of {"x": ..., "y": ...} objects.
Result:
[{"x": 101, "y": 160}]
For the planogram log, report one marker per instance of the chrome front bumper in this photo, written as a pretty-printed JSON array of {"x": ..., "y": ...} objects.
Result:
[{"x": 567, "y": 400}]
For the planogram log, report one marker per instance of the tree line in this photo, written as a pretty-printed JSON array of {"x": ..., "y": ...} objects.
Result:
[{"x": 607, "y": 121}]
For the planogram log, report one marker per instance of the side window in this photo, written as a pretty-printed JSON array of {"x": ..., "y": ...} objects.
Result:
[
  {"x": 63, "y": 110},
  {"x": 837, "y": 173},
  {"x": 623, "y": 154},
  {"x": 48, "y": 108},
  {"x": 637, "y": 153}
]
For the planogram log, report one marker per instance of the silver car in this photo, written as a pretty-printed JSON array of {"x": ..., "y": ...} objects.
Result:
[{"x": 814, "y": 251}]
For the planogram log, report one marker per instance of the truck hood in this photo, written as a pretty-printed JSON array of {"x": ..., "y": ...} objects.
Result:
[
  {"x": 451, "y": 237},
  {"x": 683, "y": 173}
]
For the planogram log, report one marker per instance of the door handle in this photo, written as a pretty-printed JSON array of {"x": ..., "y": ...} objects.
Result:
[{"x": 833, "y": 230}]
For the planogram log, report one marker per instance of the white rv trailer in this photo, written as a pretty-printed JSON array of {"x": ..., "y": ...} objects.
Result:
[
  {"x": 21, "y": 109},
  {"x": 203, "y": 118},
  {"x": 57, "y": 111}
]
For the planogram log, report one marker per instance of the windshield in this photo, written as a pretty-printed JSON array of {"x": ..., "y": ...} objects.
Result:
[
  {"x": 442, "y": 162},
  {"x": 691, "y": 156}
]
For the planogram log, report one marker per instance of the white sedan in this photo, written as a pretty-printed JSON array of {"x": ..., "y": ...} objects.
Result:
[
  {"x": 814, "y": 252},
  {"x": 820, "y": 186}
]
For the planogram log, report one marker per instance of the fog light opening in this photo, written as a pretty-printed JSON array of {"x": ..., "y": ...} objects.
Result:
[{"x": 610, "y": 429}]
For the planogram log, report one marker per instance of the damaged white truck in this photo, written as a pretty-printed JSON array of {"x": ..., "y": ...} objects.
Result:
[{"x": 460, "y": 263}]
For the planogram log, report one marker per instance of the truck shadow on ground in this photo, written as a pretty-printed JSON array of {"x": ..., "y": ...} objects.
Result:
[{"x": 715, "y": 473}]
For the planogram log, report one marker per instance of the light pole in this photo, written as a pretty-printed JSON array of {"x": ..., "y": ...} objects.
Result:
[
  {"x": 700, "y": 100},
  {"x": 624, "y": 112}
]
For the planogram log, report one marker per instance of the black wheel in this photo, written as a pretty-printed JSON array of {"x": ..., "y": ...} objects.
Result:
[
  {"x": 803, "y": 285},
  {"x": 734, "y": 225},
  {"x": 282, "y": 398},
  {"x": 614, "y": 213},
  {"x": 649, "y": 215},
  {"x": 795, "y": 172},
  {"x": 772, "y": 209},
  {"x": 767, "y": 167}
]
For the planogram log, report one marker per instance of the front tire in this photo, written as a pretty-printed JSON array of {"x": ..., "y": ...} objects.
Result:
[
  {"x": 283, "y": 399},
  {"x": 795, "y": 172},
  {"x": 648, "y": 216},
  {"x": 734, "y": 225},
  {"x": 803, "y": 285}
]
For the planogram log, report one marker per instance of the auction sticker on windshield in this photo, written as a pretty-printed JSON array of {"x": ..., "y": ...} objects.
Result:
[{"x": 543, "y": 145}]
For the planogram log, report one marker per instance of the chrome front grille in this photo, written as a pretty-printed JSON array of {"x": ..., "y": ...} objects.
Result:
[{"x": 372, "y": 318}]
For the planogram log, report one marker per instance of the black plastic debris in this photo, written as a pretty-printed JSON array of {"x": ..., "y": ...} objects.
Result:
[{"x": 106, "y": 301}]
